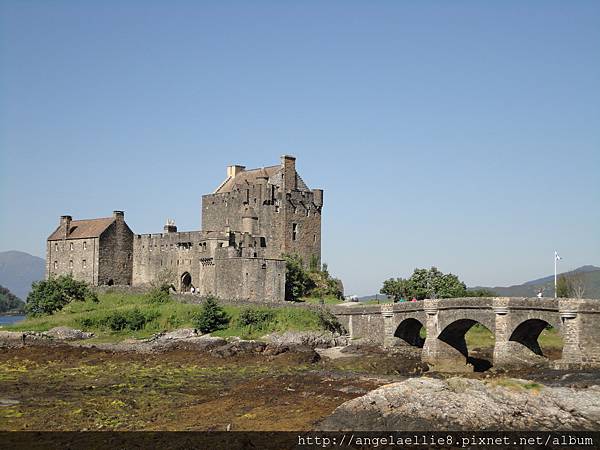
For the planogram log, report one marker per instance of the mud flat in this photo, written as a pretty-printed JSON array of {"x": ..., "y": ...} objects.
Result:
[{"x": 184, "y": 384}]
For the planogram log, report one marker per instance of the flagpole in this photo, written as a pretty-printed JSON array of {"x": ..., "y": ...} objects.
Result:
[{"x": 555, "y": 284}]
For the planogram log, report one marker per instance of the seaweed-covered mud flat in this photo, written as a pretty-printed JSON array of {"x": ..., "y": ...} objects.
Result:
[
  {"x": 55, "y": 386},
  {"x": 61, "y": 387}
]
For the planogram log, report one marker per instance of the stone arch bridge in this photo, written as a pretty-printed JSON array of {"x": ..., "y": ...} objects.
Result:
[{"x": 516, "y": 324}]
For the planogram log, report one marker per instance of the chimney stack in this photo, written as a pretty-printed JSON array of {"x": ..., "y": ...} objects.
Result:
[
  {"x": 119, "y": 215},
  {"x": 65, "y": 223},
  {"x": 232, "y": 171},
  {"x": 289, "y": 172}
]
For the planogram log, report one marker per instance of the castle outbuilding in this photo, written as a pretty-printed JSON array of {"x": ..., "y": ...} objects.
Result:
[{"x": 249, "y": 223}]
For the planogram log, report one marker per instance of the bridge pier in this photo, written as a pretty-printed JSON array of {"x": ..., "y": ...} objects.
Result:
[
  {"x": 510, "y": 353},
  {"x": 581, "y": 334}
]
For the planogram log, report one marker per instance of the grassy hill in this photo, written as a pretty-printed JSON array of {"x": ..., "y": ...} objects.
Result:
[{"x": 588, "y": 276}]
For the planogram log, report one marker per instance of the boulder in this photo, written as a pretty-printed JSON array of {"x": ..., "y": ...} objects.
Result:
[
  {"x": 68, "y": 334},
  {"x": 420, "y": 404},
  {"x": 313, "y": 339},
  {"x": 238, "y": 346}
]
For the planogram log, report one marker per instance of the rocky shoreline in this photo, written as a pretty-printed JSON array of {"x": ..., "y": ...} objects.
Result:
[{"x": 413, "y": 399}]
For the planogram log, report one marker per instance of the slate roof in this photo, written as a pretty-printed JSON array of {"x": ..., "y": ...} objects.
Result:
[
  {"x": 274, "y": 174},
  {"x": 79, "y": 229},
  {"x": 247, "y": 177}
]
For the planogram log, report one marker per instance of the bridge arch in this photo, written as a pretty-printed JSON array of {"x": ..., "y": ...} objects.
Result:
[
  {"x": 454, "y": 338},
  {"x": 527, "y": 333},
  {"x": 409, "y": 330}
]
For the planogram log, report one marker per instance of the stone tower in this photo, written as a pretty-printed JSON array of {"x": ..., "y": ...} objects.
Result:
[{"x": 271, "y": 202}]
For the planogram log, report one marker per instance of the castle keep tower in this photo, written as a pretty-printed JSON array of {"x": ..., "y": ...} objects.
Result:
[{"x": 271, "y": 202}]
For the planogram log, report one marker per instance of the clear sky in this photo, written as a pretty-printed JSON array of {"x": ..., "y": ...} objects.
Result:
[{"x": 462, "y": 134}]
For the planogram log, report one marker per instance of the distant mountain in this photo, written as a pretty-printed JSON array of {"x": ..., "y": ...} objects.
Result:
[
  {"x": 587, "y": 276},
  {"x": 18, "y": 270}
]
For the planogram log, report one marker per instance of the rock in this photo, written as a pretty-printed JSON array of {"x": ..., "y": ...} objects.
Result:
[
  {"x": 239, "y": 346},
  {"x": 206, "y": 342},
  {"x": 301, "y": 354},
  {"x": 11, "y": 338},
  {"x": 313, "y": 339},
  {"x": 179, "y": 334},
  {"x": 68, "y": 334},
  {"x": 420, "y": 404}
]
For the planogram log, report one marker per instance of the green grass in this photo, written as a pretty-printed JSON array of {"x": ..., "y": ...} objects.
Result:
[
  {"x": 90, "y": 316},
  {"x": 480, "y": 337},
  {"x": 327, "y": 300}
]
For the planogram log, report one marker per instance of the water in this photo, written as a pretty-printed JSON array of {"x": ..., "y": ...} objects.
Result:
[{"x": 10, "y": 320}]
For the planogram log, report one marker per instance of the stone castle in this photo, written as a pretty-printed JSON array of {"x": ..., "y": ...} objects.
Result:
[{"x": 249, "y": 223}]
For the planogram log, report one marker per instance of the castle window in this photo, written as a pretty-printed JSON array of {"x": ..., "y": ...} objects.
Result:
[
  {"x": 276, "y": 208},
  {"x": 294, "y": 231},
  {"x": 71, "y": 246},
  {"x": 263, "y": 242},
  {"x": 84, "y": 263},
  {"x": 71, "y": 264},
  {"x": 56, "y": 264},
  {"x": 315, "y": 238},
  {"x": 56, "y": 246},
  {"x": 84, "y": 245}
]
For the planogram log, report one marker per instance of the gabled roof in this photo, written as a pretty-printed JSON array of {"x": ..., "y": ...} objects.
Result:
[
  {"x": 79, "y": 229},
  {"x": 247, "y": 177}
]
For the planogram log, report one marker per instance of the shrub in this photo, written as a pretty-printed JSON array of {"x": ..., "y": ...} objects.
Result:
[
  {"x": 158, "y": 295},
  {"x": 297, "y": 280},
  {"x": 119, "y": 320},
  {"x": 211, "y": 317},
  {"x": 53, "y": 294},
  {"x": 255, "y": 318},
  {"x": 329, "y": 322}
]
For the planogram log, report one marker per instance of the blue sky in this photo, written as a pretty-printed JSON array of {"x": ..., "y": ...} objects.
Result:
[{"x": 464, "y": 135}]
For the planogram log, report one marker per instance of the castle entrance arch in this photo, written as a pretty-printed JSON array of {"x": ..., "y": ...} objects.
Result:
[{"x": 186, "y": 282}]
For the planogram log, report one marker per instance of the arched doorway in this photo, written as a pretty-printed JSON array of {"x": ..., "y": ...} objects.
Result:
[{"x": 186, "y": 282}]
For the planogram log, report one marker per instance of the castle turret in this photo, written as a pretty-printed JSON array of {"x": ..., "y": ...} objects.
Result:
[{"x": 250, "y": 221}]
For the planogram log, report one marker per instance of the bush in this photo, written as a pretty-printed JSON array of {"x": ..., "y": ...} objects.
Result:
[
  {"x": 256, "y": 318},
  {"x": 159, "y": 295},
  {"x": 132, "y": 319},
  {"x": 211, "y": 317},
  {"x": 329, "y": 322},
  {"x": 53, "y": 294},
  {"x": 297, "y": 280}
]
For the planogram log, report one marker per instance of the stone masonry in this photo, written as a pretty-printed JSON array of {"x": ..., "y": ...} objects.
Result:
[
  {"x": 249, "y": 223},
  {"x": 516, "y": 324}
]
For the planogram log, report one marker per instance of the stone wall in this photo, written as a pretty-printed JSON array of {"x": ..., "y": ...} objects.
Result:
[
  {"x": 115, "y": 259},
  {"x": 78, "y": 257}
]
